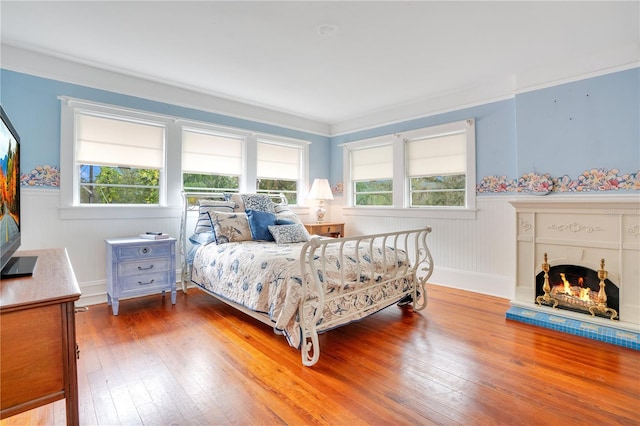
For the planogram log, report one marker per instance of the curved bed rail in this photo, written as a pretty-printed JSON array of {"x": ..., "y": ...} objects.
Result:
[{"x": 406, "y": 264}]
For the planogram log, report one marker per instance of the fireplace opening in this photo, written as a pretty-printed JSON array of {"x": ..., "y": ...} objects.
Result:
[{"x": 577, "y": 288}]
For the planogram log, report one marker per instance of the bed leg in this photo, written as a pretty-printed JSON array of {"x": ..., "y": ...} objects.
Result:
[{"x": 310, "y": 349}]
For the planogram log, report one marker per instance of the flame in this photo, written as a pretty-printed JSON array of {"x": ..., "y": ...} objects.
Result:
[
  {"x": 567, "y": 285},
  {"x": 585, "y": 294}
]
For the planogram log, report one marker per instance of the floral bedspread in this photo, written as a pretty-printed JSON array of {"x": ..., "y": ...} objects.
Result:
[{"x": 265, "y": 277}]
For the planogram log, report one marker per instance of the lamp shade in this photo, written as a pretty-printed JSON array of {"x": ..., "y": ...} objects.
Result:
[{"x": 320, "y": 190}]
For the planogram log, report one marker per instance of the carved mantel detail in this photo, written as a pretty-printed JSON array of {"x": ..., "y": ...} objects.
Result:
[
  {"x": 524, "y": 224},
  {"x": 634, "y": 231},
  {"x": 576, "y": 227}
]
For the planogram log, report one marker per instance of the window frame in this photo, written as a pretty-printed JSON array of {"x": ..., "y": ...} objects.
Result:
[
  {"x": 401, "y": 183},
  {"x": 70, "y": 206},
  {"x": 302, "y": 146},
  {"x": 187, "y": 125},
  {"x": 172, "y": 180}
]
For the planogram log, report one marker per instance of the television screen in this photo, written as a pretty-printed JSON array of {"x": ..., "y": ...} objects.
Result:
[{"x": 10, "y": 200}]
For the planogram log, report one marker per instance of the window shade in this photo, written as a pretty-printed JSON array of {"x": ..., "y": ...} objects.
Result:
[
  {"x": 278, "y": 161},
  {"x": 211, "y": 153},
  {"x": 442, "y": 155},
  {"x": 114, "y": 142},
  {"x": 372, "y": 163}
]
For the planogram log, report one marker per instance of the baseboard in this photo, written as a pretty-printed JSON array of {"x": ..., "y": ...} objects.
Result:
[{"x": 492, "y": 285}]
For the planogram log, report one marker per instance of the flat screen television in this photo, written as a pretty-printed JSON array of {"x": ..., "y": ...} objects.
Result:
[{"x": 10, "y": 225}]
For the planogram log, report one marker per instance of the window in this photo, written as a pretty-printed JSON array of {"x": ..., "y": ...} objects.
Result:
[
  {"x": 436, "y": 169},
  {"x": 117, "y": 162},
  {"x": 429, "y": 168},
  {"x": 372, "y": 176},
  {"x": 279, "y": 168},
  {"x": 211, "y": 161},
  {"x": 119, "y": 159}
]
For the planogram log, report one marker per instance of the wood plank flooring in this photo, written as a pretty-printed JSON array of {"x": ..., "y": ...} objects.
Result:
[{"x": 459, "y": 362}]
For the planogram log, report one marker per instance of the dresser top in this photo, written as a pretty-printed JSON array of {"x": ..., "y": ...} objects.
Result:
[{"x": 53, "y": 281}]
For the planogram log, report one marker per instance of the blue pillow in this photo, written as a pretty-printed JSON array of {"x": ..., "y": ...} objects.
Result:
[
  {"x": 259, "y": 222},
  {"x": 285, "y": 222}
]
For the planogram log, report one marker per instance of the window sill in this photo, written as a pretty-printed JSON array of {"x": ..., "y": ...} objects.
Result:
[
  {"x": 118, "y": 212},
  {"x": 430, "y": 213}
]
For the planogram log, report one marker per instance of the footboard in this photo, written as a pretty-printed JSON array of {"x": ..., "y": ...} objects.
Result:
[{"x": 362, "y": 276}]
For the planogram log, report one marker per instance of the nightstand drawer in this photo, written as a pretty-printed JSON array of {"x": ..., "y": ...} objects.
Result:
[
  {"x": 139, "y": 251},
  {"x": 330, "y": 229},
  {"x": 142, "y": 266},
  {"x": 142, "y": 284}
]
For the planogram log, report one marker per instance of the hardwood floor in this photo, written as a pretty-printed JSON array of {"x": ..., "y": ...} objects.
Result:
[{"x": 458, "y": 362}]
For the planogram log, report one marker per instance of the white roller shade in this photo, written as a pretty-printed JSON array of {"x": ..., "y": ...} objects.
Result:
[
  {"x": 372, "y": 163},
  {"x": 442, "y": 155},
  {"x": 278, "y": 161},
  {"x": 211, "y": 153},
  {"x": 114, "y": 142}
]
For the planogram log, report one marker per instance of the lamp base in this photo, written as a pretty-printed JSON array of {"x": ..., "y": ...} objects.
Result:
[{"x": 320, "y": 212}]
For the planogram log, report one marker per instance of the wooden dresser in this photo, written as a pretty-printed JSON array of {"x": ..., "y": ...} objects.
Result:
[{"x": 38, "y": 337}]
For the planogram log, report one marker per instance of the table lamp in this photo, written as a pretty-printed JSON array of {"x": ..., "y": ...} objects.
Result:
[{"x": 320, "y": 190}]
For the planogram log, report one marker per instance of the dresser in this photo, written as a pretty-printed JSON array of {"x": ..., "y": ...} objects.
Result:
[
  {"x": 326, "y": 229},
  {"x": 38, "y": 336},
  {"x": 138, "y": 267}
]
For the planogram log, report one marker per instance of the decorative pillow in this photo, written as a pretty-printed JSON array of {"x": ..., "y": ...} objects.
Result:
[
  {"x": 289, "y": 217},
  {"x": 280, "y": 221},
  {"x": 236, "y": 200},
  {"x": 230, "y": 227},
  {"x": 206, "y": 206},
  {"x": 203, "y": 238},
  {"x": 284, "y": 234},
  {"x": 259, "y": 223},
  {"x": 260, "y": 202},
  {"x": 282, "y": 207}
]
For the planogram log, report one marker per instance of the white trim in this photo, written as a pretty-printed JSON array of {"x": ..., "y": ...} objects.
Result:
[
  {"x": 78, "y": 72},
  {"x": 426, "y": 213}
]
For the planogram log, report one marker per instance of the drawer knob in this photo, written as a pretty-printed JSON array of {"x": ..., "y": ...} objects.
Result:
[
  {"x": 147, "y": 283},
  {"x": 140, "y": 268},
  {"x": 145, "y": 250}
]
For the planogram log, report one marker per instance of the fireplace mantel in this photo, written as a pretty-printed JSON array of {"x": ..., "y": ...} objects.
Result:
[{"x": 580, "y": 230}]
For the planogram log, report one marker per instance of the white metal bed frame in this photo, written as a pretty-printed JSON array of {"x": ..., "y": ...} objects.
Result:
[{"x": 413, "y": 242}]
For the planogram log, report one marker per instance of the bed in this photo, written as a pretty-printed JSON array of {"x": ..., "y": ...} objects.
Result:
[{"x": 252, "y": 252}]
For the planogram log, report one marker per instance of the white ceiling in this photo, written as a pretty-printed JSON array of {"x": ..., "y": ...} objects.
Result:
[{"x": 384, "y": 55}]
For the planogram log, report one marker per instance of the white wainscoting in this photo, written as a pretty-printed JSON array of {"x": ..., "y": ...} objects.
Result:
[
  {"x": 476, "y": 255},
  {"x": 471, "y": 254}
]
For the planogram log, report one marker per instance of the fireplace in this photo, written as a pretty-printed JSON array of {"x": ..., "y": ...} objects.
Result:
[
  {"x": 578, "y": 289},
  {"x": 577, "y": 266}
]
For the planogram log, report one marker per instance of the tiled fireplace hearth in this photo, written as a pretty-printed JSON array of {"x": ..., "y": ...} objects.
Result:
[{"x": 577, "y": 233}]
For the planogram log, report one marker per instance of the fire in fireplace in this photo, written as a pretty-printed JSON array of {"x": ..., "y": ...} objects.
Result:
[{"x": 578, "y": 289}]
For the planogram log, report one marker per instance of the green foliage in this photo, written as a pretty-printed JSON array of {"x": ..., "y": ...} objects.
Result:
[
  {"x": 374, "y": 193},
  {"x": 275, "y": 186},
  {"x": 213, "y": 183},
  {"x": 120, "y": 185},
  {"x": 438, "y": 191}
]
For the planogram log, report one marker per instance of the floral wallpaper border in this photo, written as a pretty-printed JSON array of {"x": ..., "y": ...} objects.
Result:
[
  {"x": 542, "y": 183},
  {"x": 535, "y": 183}
]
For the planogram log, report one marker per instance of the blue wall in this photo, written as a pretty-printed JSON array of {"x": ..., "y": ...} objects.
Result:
[
  {"x": 592, "y": 123},
  {"x": 584, "y": 136},
  {"x": 34, "y": 109}
]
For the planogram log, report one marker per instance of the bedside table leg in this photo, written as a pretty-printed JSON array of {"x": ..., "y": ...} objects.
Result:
[
  {"x": 173, "y": 297},
  {"x": 115, "y": 305}
]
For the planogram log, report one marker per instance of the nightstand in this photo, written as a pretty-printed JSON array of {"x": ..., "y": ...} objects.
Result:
[
  {"x": 326, "y": 229},
  {"x": 138, "y": 267}
]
